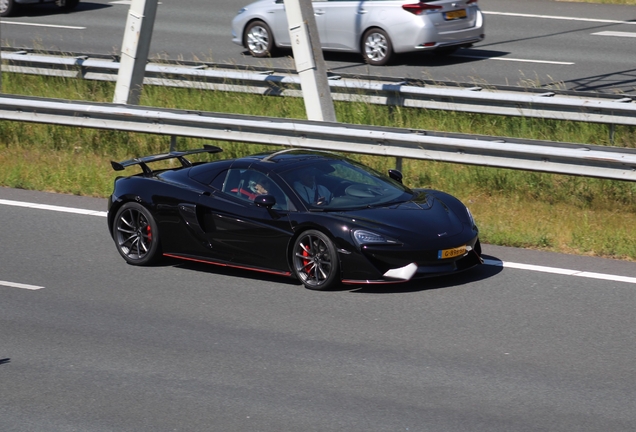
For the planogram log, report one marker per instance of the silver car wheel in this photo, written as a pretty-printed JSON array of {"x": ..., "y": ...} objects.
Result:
[
  {"x": 7, "y": 7},
  {"x": 259, "y": 40},
  {"x": 377, "y": 47}
]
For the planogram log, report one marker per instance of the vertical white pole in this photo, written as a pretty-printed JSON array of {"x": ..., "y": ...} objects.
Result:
[
  {"x": 309, "y": 60},
  {"x": 134, "y": 51}
]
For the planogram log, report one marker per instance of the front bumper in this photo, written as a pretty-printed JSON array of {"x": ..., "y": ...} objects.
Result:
[{"x": 394, "y": 270}]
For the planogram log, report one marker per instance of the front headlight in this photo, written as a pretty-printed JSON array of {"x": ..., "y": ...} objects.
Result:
[
  {"x": 241, "y": 11},
  {"x": 364, "y": 237}
]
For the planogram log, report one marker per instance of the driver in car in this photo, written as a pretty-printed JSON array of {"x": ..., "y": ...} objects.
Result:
[{"x": 310, "y": 191}]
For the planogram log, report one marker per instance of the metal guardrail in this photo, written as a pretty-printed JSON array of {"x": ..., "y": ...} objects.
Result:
[
  {"x": 543, "y": 156},
  {"x": 507, "y": 101}
]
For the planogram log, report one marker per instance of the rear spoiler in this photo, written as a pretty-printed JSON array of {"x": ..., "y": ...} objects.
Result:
[{"x": 143, "y": 161}]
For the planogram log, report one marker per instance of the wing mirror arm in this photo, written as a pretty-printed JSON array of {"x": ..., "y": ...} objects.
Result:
[{"x": 267, "y": 201}]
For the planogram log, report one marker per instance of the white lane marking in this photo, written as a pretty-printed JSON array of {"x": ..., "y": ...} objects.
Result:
[
  {"x": 44, "y": 25},
  {"x": 561, "y": 271},
  {"x": 615, "y": 33},
  {"x": 605, "y": 21},
  {"x": 19, "y": 285},
  {"x": 514, "y": 59},
  {"x": 53, "y": 208},
  {"x": 497, "y": 263}
]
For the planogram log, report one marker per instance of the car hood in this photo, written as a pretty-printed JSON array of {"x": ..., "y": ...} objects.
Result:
[{"x": 424, "y": 217}]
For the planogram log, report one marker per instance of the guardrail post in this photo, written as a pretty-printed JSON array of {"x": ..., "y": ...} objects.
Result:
[{"x": 612, "y": 130}]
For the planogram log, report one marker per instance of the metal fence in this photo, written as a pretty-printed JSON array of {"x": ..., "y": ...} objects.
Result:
[
  {"x": 542, "y": 156},
  {"x": 506, "y": 101}
]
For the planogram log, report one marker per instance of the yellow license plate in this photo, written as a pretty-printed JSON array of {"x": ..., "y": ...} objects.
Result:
[
  {"x": 458, "y": 14},
  {"x": 451, "y": 253}
]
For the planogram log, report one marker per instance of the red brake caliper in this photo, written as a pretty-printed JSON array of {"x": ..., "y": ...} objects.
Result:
[{"x": 306, "y": 261}]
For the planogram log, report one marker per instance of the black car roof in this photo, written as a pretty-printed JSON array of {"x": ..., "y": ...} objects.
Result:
[{"x": 282, "y": 160}]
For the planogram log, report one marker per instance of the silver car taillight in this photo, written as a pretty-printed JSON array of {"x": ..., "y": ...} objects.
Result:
[{"x": 420, "y": 8}]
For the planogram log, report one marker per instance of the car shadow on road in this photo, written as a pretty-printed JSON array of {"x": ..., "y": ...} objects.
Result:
[
  {"x": 423, "y": 59},
  {"x": 461, "y": 56},
  {"x": 475, "y": 274},
  {"x": 46, "y": 9}
]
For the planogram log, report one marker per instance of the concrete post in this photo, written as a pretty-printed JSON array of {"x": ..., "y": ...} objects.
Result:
[
  {"x": 134, "y": 51},
  {"x": 309, "y": 60}
]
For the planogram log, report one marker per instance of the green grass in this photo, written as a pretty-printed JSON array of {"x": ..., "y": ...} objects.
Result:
[{"x": 514, "y": 208}]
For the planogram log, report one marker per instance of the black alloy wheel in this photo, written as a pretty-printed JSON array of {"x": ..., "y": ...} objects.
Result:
[
  {"x": 136, "y": 235},
  {"x": 315, "y": 261}
]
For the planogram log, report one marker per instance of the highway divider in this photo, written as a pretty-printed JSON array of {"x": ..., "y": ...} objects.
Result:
[{"x": 532, "y": 155}]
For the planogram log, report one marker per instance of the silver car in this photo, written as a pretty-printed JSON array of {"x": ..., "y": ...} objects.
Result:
[{"x": 375, "y": 28}]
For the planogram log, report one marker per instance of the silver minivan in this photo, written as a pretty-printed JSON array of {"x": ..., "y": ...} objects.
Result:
[{"x": 375, "y": 28}]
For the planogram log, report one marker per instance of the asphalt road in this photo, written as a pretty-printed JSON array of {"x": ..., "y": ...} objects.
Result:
[
  {"x": 579, "y": 46},
  {"x": 105, "y": 346}
]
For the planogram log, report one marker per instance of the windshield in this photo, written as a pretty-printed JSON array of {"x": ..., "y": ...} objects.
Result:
[{"x": 344, "y": 185}]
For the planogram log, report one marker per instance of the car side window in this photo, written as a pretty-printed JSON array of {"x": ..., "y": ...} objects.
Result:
[
  {"x": 218, "y": 181},
  {"x": 247, "y": 184}
]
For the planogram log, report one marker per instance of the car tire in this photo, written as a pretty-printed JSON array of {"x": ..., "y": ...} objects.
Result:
[
  {"x": 377, "y": 49},
  {"x": 67, "y": 4},
  {"x": 315, "y": 261},
  {"x": 8, "y": 8},
  {"x": 259, "y": 39},
  {"x": 136, "y": 235}
]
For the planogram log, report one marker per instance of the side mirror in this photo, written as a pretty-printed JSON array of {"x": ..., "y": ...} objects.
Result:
[
  {"x": 267, "y": 201},
  {"x": 396, "y": 175}
]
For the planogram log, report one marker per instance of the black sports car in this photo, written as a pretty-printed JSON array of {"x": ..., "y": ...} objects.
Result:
[{"x": 315, "y": 215}]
